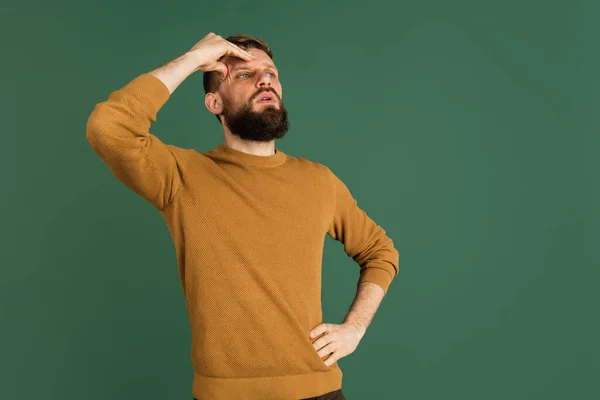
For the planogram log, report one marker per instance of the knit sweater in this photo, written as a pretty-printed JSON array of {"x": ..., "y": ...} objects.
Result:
[{"x": 249, "y": 232}]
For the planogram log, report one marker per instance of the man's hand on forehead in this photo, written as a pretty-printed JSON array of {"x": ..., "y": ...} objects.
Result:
[
  {"x": 207, "y": 55},
  {"x": 212, "y": 51}
]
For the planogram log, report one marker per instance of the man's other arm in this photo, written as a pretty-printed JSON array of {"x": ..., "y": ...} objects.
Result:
[
  {"x": 363, "y": 239},
  {"x": 370, "y": 247}
]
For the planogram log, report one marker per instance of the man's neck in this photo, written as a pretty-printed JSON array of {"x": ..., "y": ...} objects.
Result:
[{"x": 249, "y": 146}]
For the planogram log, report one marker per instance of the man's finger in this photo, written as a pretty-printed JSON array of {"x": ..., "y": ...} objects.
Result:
[
  {"x": 237, "y": 51},
  {"x": 318, "y": 330}
]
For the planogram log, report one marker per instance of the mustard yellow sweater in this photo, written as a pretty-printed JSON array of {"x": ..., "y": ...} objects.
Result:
[{"x": 249, "y": 232}]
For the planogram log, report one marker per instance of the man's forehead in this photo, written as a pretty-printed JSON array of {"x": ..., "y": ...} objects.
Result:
[
  {"x": 243, "y": 64},
  {"x": 262, "y": 60}
]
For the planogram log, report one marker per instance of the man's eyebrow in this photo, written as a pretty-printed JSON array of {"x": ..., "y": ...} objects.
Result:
[{"x": 266, "y": 63}]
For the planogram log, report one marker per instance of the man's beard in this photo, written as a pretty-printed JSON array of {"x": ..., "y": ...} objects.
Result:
[{"x": 262, "y": 126}]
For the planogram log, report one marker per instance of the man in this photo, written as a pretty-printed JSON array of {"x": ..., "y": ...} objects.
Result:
[{"x": 248, "y": 222}]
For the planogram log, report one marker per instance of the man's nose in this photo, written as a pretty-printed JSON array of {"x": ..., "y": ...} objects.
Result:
[{"x": 264, "y": 80}]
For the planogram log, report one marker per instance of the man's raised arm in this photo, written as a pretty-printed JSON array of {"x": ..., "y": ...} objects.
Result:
[{"x": 118, "y": 129}]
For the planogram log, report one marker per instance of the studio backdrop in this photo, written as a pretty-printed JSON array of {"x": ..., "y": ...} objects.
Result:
[{"x": 468, "y": 130}]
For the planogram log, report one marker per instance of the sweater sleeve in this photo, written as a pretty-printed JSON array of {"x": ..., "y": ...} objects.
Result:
[
  {"x": 363, "y": 239},
  {"x": 118, "y": 130}
]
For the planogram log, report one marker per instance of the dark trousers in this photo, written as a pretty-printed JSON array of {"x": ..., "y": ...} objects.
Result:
[{"x": 335, "y": 395}]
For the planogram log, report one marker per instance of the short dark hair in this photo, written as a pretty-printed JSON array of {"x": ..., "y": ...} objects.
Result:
[{"x": 211, "y": 79}]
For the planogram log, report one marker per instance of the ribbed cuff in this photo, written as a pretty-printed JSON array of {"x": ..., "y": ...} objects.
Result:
[{"x": 376, "y": 275}]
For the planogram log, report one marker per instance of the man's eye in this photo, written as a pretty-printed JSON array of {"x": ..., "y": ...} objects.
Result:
[
  {"x": 272, "y": 74},
  {"x": 242, "y": 75}
]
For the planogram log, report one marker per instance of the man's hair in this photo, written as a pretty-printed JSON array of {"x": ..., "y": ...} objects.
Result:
[{"x": 211, "y": 79}]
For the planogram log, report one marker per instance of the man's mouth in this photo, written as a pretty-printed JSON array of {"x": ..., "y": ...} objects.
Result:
[{"x": 266, "y": 97}]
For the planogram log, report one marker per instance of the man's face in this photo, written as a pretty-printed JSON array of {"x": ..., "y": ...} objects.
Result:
[{"x": 251, "y": 92}]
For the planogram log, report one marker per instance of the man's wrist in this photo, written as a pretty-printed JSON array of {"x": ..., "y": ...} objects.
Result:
[
  {"x": 176, "y": 71},
  {"x": 361, "y": 330}
]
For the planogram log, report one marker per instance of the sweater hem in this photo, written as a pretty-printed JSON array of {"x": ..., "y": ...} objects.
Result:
[{"x": 292, "y": 387}]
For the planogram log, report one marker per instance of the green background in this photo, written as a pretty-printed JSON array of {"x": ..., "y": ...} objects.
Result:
[{"x": 468, "y": 129}]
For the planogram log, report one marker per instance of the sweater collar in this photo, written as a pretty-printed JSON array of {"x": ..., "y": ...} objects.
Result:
[{"x": 250, "y": 159}]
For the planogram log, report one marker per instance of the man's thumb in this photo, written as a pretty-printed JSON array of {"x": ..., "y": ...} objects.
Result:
[{"x": 222, "y": 69}]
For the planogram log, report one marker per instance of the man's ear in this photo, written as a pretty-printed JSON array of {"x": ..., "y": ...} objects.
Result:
[{"x": 213, "y": 103}]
